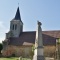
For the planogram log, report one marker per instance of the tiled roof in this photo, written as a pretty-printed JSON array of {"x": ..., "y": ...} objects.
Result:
[
  {"x": 25, "y": 37},
  {"x": 28, "y": 38},
  {"x": 55, "y": 34}
]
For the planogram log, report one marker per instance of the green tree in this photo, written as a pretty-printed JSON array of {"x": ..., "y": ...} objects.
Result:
[
  {"x": 32, "y": 52},
  {"x": 58, "y": 48},
  {"x": 1, "y": 47}
]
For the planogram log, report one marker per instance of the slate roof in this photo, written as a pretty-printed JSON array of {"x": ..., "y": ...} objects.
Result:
[
  {"x": 28, "y": 38},
  {"x": 17, "y": 16}
]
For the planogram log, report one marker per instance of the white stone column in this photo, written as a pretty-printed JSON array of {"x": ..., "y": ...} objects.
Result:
[{"x": 38, "y": 52}]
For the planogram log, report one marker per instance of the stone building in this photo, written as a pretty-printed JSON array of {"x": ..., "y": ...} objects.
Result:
[{"x": 19, "y": 43}]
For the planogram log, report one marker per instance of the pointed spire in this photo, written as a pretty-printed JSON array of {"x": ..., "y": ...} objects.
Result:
[{"x": 17, "y": 16}]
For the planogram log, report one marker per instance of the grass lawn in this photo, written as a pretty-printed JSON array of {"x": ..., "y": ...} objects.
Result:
[{"x": 14, "y": 58}]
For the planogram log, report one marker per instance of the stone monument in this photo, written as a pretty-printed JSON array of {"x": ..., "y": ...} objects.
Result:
[{"x": 38, "y": 52}]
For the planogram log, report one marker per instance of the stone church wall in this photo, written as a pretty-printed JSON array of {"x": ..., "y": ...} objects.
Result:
[{"x": 17, "y": 51}]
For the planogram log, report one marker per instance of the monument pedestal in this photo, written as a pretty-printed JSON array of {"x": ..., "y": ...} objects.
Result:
[
  {"x": 40, "y": 58},
  {"x": 35, "y": 57},
  {"x": 38, "y": 54}
]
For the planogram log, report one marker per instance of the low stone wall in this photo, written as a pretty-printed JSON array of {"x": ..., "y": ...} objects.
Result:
[
  {"x": 49, "y": 51},
  {"x": 17, "y": 51}
]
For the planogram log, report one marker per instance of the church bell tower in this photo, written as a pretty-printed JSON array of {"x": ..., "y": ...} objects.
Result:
[{"x": 16, "y": 26}]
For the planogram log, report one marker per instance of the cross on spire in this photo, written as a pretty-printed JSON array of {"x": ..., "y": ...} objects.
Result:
[{"x": 18, "y": 4}]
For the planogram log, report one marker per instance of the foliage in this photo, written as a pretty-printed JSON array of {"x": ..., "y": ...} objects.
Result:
[
  {"x": 58, "y": 41},
  {"x": 32, "y": 52},
  {"x": 1, "y": 47},
  {"x": 13, "y": 55},
  {"x": 33, "y": 47}
]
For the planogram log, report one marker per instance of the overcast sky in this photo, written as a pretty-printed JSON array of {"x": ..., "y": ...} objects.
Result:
[{"x": 46, "y": 11}]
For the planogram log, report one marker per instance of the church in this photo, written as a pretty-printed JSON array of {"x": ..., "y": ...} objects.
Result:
[{"x": 20, "y": 43}]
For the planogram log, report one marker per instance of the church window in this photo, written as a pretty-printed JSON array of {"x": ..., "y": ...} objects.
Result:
[
  {"x": 15, "y": 26},
  {"x": 21, "y": 28}
]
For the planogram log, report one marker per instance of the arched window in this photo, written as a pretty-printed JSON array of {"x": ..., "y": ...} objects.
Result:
[{"x": 15, "y": 26}]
